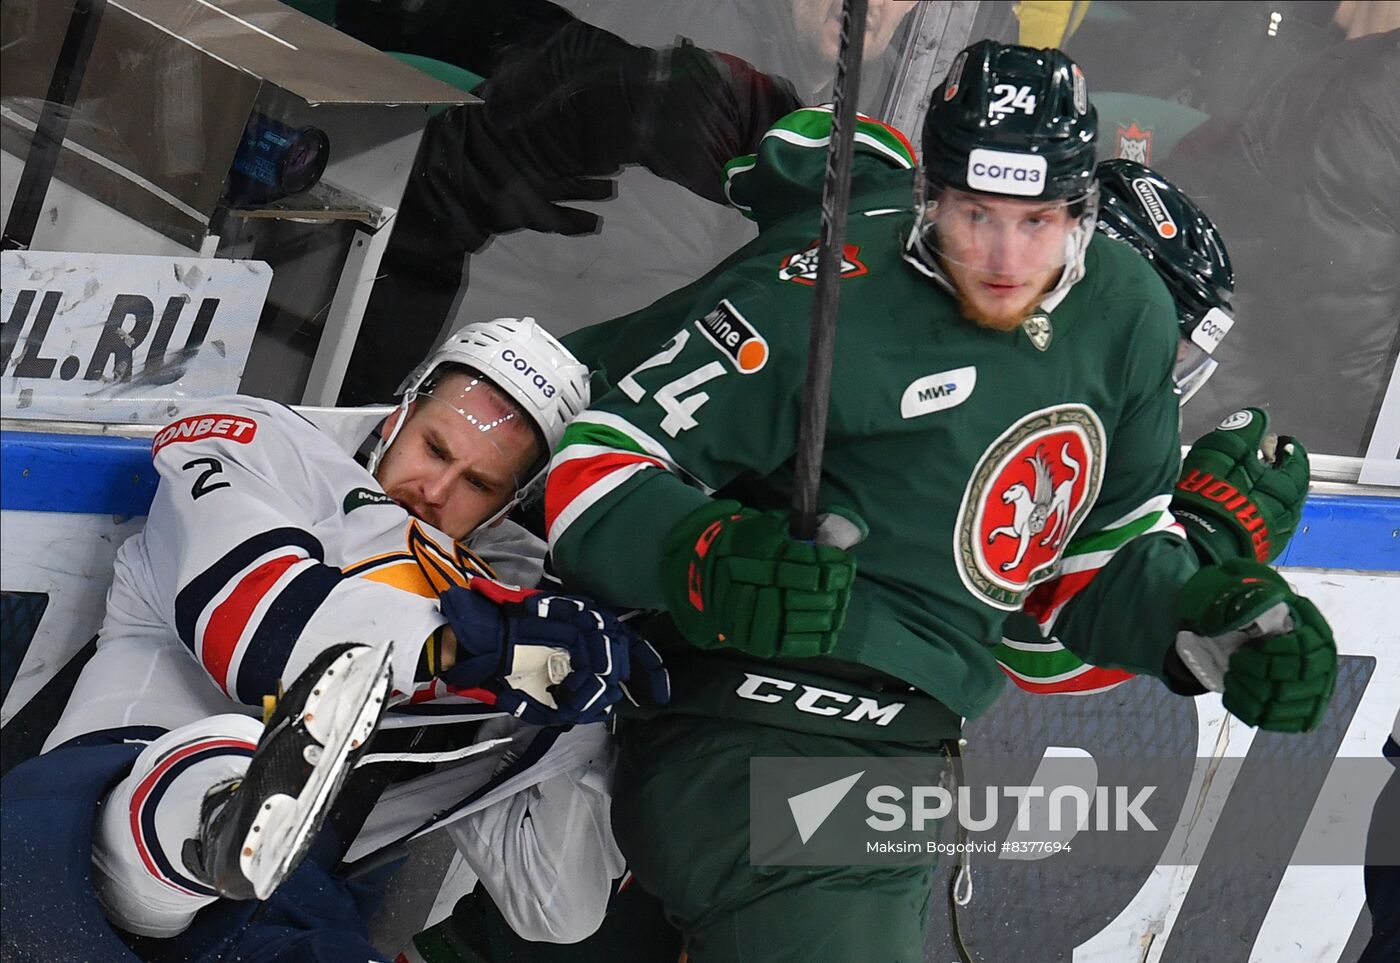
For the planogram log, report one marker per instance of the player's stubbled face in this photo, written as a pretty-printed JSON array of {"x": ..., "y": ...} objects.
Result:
[
  {"x": 1001, "y": 254},
  {"x": 462, "y": 452}
]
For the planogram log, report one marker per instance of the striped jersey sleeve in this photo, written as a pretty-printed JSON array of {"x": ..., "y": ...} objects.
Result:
[
  {"x": 676, "y": 428},
  {"x": 242, "y": 615},
  {"x": 1086, "y": 556},
  {"x": 232, "y": 548},
  {"x": 599, "y": 452},
  {"x": 687, "y": 411},
  {"x": 1111, "y": 600},
  {"x": 1046, "y": 667},
  {"x": 1032, "y": 657}
]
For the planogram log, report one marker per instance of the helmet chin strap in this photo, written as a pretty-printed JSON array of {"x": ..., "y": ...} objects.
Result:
[
  {"x": 520, "y": 495},
  {"x": 381, "y": 447},
  {"x": 921, "y": 256},
  {"x": 1075, "y": 247}
]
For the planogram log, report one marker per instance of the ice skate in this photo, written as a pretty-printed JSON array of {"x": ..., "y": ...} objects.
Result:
[{"x": 254, "y": 831}]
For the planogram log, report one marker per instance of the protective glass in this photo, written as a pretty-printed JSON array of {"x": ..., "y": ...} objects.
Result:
[
  {"x": 1194, "y": 364},
  {"x": 1193, "y": 369},
  {"x": 1004, "y": 242}
]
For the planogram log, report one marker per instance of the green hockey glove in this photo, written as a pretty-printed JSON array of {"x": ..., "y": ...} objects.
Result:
[
  {"x": 1242, "y": 490},
  {"x": 734, "y": 579},
  {"x": 1247, "y": 635}
]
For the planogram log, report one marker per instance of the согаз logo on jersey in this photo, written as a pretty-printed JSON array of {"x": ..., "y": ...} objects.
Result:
[{"x": 1029, "y": 492}]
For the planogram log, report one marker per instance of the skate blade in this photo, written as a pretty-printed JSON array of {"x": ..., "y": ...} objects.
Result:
[{"x": 341, "y": 715}]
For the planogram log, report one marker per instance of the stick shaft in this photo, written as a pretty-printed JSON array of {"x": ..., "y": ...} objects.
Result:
[{"x": 836, "y": 196}]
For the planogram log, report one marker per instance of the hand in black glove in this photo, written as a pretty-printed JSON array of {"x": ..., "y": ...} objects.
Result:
[
  {"x": 552, "y": 659},
  {"x": 564, "y": 110}
]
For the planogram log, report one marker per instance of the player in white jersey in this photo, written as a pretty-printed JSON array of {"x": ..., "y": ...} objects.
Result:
[{"x": 270, "y": 554}]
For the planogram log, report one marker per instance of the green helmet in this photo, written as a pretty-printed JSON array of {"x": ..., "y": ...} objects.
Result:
[
  {"x": 1011, "y": 120},
  {"x": 1155, "y": 217}
]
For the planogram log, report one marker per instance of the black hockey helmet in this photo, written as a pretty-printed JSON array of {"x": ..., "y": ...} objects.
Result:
[
  {"x": 1155, "y": 217},
  {"x": 1011, "y": 120},
  {"x": 1149, "y": 212}
]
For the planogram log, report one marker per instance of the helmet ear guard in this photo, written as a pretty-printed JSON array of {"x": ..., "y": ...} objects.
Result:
[{"x": 1076, "y": 247}]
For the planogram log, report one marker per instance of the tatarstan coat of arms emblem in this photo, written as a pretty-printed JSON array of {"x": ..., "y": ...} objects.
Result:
[{"x": 1029, "y": 493}]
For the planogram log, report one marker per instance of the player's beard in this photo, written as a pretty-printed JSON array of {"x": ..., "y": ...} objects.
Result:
[
  {"x": 1000, "y": 321},
  {"x": 1002, "y": 317},
  {"x": 1006, "y": 320}
]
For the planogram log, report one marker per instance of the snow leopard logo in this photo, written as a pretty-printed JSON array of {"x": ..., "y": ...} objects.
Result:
[{"x": 800, "y": 267}]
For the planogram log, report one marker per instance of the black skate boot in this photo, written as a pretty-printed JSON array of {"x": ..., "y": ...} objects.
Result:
[{"x": 254, "y": 831}]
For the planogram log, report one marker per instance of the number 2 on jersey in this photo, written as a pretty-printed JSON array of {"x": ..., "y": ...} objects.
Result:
[{"x": 202, "y": 487}]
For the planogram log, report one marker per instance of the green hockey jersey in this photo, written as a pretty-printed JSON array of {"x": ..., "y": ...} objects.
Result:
[{"x": 998, "y": 471}]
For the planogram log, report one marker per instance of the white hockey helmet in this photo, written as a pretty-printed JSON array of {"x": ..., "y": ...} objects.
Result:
[{"x": 521, "y": 359}]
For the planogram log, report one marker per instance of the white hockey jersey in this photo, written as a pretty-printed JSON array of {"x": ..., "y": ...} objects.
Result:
[{"x": 268, "y": 542}]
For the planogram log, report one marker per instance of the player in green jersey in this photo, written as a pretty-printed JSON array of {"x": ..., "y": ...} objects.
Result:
[
  {"x": 1003, "y": 431},
  {"x": 1265, "y": 478}
]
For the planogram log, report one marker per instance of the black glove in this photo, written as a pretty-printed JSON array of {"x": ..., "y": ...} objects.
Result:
[
  {"x": 564, "y": 111},
  {"x": 551, "y": 659},
  {"x": 470, "y": 183}
]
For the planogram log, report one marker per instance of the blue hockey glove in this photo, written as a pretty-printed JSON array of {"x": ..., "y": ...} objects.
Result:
[{"x": 552, "y": 659}]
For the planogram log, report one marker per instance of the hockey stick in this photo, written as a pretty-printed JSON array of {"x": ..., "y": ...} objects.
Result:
[{"x": 836, "y": 198}]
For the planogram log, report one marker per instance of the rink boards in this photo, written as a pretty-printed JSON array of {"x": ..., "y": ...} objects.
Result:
[{"x": 68, "y": 501}]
